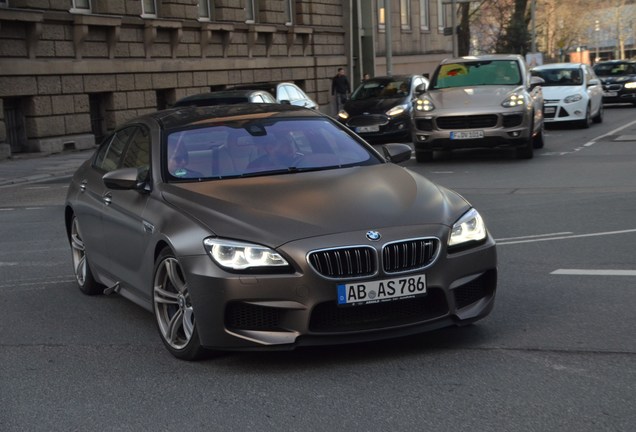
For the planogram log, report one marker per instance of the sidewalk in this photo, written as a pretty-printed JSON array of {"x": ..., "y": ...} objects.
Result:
[{"x": 33, "y": 167}]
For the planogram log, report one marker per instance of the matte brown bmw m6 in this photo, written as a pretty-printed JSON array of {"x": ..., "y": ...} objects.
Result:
[{"x": 266, "y": 226}]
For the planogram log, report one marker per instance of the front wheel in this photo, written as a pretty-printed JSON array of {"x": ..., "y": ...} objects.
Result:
[
  {"x": 598, "y": 118},
  {"x": 587, "y": 121},
  {"x": 173, "y": 309}
]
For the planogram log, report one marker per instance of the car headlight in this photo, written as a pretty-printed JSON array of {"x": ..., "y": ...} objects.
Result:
[
  {"x": 469, "y": 228},
  {"x": 397, "y": 110},
  {"x": 514, "y": 100},
  {"x": 343, "y": 114},
  {"x": 424, "y": 105},
  {"x": 573, "y": 98},
  {"x": 235, "y": 255},
  {"x": 630, "y": 85}
]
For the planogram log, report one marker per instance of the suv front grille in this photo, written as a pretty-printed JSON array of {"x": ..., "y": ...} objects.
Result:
[{"x": 467, "y": 122}]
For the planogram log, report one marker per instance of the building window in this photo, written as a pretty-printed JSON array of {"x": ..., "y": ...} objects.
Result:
[
  {"x": 81, "y": 6},
  {"x": 148, "y": 9},
  {"x": 206, "y": 10},
  {"x": 424, "y": 24},
  {"x": 381, "y": 15},
  {"x": 405, "y": 14},
  {"x": 250, "y": 11},
  {"x": 289, "y": 12},
  {"x": 441, "y": 16}
]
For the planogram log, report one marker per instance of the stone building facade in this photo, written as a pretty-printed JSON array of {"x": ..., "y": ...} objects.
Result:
[{"x": 72, "y": 70}]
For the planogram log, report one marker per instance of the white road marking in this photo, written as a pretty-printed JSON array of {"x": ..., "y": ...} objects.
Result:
[
  {"x": 580, "y": 272},
  {"x": 533, "y": 236},
  {"x": 566, "y": 237}
]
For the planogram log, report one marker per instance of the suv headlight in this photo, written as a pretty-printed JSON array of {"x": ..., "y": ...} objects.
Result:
[
  {"x": 343, "y": 114},
  {"x": 469, "y": 228},
  {"x": 397, "y": 110},
  {"x": 514, "y": 100},
  {"x": 630, "y": 85},
  {"x": 235, "y": 255},
  {"x": 424, "y": 105},
  {"x": 573, "y": 98}
]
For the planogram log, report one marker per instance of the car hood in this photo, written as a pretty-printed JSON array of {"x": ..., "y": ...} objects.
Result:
[
  {"x": 274, "y": 210},
  {"x": 560, "y": 92},
  {"x": 373, "y": 106},
  {"x": 468, "y": 98},
  {"x": 617, "y": 79}
]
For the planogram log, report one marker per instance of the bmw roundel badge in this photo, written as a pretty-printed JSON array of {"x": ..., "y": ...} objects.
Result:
[{"x": 373, "y": 235}]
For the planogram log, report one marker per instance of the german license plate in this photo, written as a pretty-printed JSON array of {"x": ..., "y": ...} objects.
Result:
[
  {"x": 610, "y": 94},
  {"x": 364, "y": 129},
  {"x": 460, "y": 135},
  {"x": 360, "y": 293},
  {"x": 549, "y": 110}
]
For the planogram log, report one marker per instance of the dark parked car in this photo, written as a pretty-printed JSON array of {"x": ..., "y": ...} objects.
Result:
[
  {"x": 380, "y": 108},
  {"x": 226, "y": 97},
  {"x": 480, "y": 102},
  {"x": 284, "y": 92},
  {"x": 619, "y": 80},
  {"x": 262, "y": 226}
]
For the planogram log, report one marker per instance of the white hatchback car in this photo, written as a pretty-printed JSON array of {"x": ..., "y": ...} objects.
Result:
[{"x": 571, "y": 93}]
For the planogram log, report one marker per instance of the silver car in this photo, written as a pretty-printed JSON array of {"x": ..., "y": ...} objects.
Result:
[
  {"x": 479, "y": 101},
  {"x": 266, "y": 226}
]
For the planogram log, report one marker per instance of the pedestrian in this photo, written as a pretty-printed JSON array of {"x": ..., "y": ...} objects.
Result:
[
  {"x": 340, "y": 88},
  {"x": 366, "y": 77}
]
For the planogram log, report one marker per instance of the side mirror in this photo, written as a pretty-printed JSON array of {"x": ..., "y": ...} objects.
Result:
[
  {"x": 420, "y": 89},
  {"x": 593, "y": 82},
  {"x": 396, "y": 153},
  {"x": 126, "y": 179},
  {"x": 536, "y": 81}
]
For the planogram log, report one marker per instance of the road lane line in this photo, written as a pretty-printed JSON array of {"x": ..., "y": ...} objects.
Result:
[
  {"x": 579, "y": 272},
  {"x": 534, "y": 236},
  {"x": 567, "y": 237}
]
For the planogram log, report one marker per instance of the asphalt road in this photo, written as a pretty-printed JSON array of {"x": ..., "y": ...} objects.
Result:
[{"x": 558, "y": 353}]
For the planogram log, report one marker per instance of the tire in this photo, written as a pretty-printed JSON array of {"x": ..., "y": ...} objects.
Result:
[
  {"x": 173, "y": 310},
  {"x": 587, "y": 121},
  {"x": 598, "y": 118},
  {"x": 527, "y": 151},
  {"x": 423, "y": 156},
  {"x": 539, "y": 141},
  {"x": 83, "y": 275}
]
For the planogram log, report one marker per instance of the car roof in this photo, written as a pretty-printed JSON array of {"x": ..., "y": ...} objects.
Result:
[
  {"x": 558, "y": 66},
  {"x": 394, "y": 77},
  {"x": 220, "y": 94},
  {"x": 615, "y": 62},
  {"x": 485, "y": 57},
  {"x": 175, "y": 118}
]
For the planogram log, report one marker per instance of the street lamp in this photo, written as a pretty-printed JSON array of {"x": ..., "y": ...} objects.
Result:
[{"x": 597, "y": 29}]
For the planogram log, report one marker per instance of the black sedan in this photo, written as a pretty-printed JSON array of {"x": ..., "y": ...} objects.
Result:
[
  {"x": 380, "y": 109},
  {"x": 619, "y": 80},
  {"x": 259, "y": 226}
]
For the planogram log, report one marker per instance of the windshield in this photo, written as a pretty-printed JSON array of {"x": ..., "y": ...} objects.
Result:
[
  {"x": 560, "y": 76},
  {"x": 382, "y": 89},
  {"x": 615, "y": 69},
  {"x": 477, "y": 73},
  {"x": 261, "y": 147}
]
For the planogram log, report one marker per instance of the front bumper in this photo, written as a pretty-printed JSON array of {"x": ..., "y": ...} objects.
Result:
[
  {"x": 433, "y": 132},
  {"x": 281, "y": 312},
  {"x": 380, "y": 128}
]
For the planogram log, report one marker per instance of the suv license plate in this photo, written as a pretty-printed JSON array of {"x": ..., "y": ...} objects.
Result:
[
  {"x": 460, "y": 135},
  {"x": 378, "y": 291}
]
